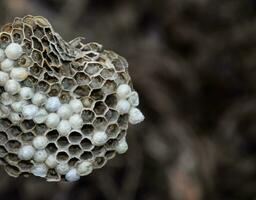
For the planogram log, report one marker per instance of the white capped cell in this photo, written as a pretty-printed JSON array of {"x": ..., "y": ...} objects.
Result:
[
  {"x": 26, "y": 93},
  {"x": 13, "y": 51},
  {"x": 62, "y": 168},
  {"x": 40, "y": 156},
  {"x": 123, "y": 106},
  {"x": 72, "y": 176},
  {"x": 84, "y": 168},
  {"x": 76, "y": 105},
  {"x": 135, "y": 116},
  {"x": 64, "y": 127},
  {"x": 7, "y": 65},
  {"x": 99, "y": 138},
  {"x": 123, "y": 91},
  {"x": 122, "y": 146},
  {"x": 41, "y": 116},
  {"x": 65, "y": 111},
  {"x": 12, "y": 87},
  {"x": 40, "y": 170},
  {"x": 51, "y": 161},
  {"x": 29, "y": 111},
  {"x": 4, "y": 77},
  {"x": 76, "y": 121},
  {"x": 15, "y": 117},
  {"x": 40, "y": 142},
  {"x": 52, "y": 120},
  {"x": 18, "y": 106},
  {"x": 26, "y": 152},
  {"x": 134, "y": 99},
  {"x": 39, "y": 99},
  {"x": 19, "y": 73},
  {"x": 52, "y": 104},
  {"x": 6, "y": 99}
]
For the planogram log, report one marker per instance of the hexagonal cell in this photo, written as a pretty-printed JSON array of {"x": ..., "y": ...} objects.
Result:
[
  {"x": 87, "y": 129},
  {"x": 111, "y": 100},
  {"x": 107, "y": 73},
  {"x": 52, "y": 135},
  {"x": 12, "y": 158},
  {"x": 123, "y": 121},
  {"x": 111, "y": 144},
  {"x": 100, "y": 123},
  {"x": 27, "y": 46},
  {"x": 13, "y": 145},
  {"x": 62, "y": 142},
  {"x": 86, "y": 155},
  {"x": 73, "y": 161},
  {"x": 99, "y": 162},
  {"x": 86, "y": 144},
  {"x": 55, "y": 90},
  {"x": 40, "y": 129},
  {"x": 45, "y": 42},
  {"x": 14, "y": 131},
  {"x": 49, "y": 34},
  {"x": 37, "y": 56},
  {"x": 62, "y": 156},
  {"x": 98, "y": 150},
  {"x": 24, "y": 61},
  {"x": 7, "y": 28},
  {"x": 36, "y": 70},
  {"x": 37, "y": 44},
  {"x": 122, "y": 78},
  {"x": 74, "y": 150},
  {"x": 27, "y": 125},
  {"x": 109, "y": 87},
  {"x": 82, "y": 90},
  {"x": 25, "y": 165},
  {"x": 64, "y": 97},
  {"x": 50, "y": 78},
  {"x": 12, "y": 170},
  {"x": 17, "y": 36},
  {"x": 96, "y": 82},
  {"x": 27, "y": 137},
  {"x": 68, "y": 83},
  {"x": 75, "y": 137},
  {"x": 52, "y": 175},
  {"x": 119, "y": 65},
  {"x": 111, "y": 115},
  {"x": 93, "y": 68},
  {"x": 97, "y": 95},
  {"x": 42, "y": 86},
  {"x": 3, "y": 137},
  {"x": 54, "y": 59},
  {"x": 112, "y": 130},
  {"x": 27, "y": 31},
  {"x": 5, "y": 39},
  {"x": 81, "y": 78},
  {"x": 51, "y": 148},
  {"x": 3, "y": 151},
  {"x": 100, "y": 108},
  {"x": 93, "y": 55},
  {"x": 110, "y": 154},
  {"x": 30, "y": 81},
  {"x": 87, "y": 102},
  {"x": 38, "y": 32},
  {"x": 121, "y": 135},
  {"x": 4, "y": 124}
]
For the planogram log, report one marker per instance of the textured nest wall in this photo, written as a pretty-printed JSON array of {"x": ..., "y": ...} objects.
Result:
[{"x": 193, "y": 63}]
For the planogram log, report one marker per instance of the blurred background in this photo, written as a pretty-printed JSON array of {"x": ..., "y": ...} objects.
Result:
[{"x": 194, "y": 65}]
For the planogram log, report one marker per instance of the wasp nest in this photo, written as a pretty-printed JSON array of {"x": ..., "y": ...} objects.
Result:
[{"x": 64, "y": 106}]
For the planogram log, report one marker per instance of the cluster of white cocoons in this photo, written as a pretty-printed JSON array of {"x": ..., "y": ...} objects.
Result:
[{"x": 24, "y": 103}]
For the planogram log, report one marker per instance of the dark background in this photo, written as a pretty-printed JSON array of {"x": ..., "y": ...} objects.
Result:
[{"x": 194, "y": 65}]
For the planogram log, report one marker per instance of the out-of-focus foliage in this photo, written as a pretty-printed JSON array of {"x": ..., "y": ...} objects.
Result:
[{"x": 194, "y": 65}]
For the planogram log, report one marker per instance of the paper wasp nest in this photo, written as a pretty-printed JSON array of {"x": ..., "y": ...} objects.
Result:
[{"x": 64, "y": 106}]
